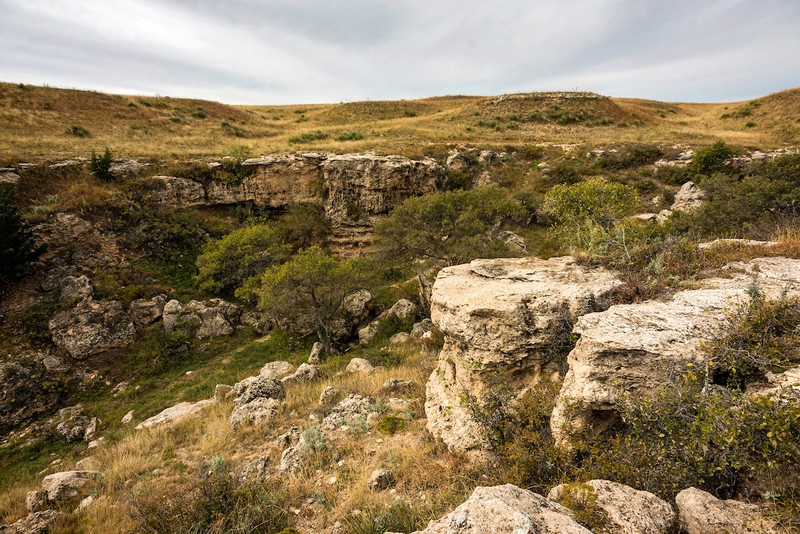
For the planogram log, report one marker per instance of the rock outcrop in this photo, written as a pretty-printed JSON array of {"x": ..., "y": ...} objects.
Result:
[
  {"x": 504, "y": 321},
  {"x": 688, "y": 198},
  {"x": 626, "y": 509},
  {"x": 175, "y": 413},
  {"x": 637, "y": 347},
  {"x": 700, "y": 512},
  {"x": 506, "y": 509},
  {"x": 353, "y": 189},
  {"x": 257, "y": 399},
  {"x": 34, "y": 523},
  {"x": 201, "y": 319},
  {"x": 92, "y": 327},
  {"x": 145, "y": 312}
]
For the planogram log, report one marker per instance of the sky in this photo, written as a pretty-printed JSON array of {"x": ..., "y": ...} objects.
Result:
[{"x": 310, "y": 51}]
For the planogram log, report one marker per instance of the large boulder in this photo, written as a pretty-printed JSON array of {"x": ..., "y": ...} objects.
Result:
[
  {"x": 637, "y": 347},
  {"x": 255, "y": 412},
  {"x": 699, "y": 512},
  {"x": 625, "y": 509},
  {"x": 255, "y": 387},
  {"x": 688, "y": 198},
  {"x": 145, "y": 312},
  {"x": 34, "y": 523},
  {"x": 504, "y": 321},
  {"x": 201, "y": 319},
  {"x": 506, "y": 509},
  {"x": 176, "y": 413},
  {"x": 92, "y": 327},
  {"x": 69, "y": 485},
  {"x": 304, "y": 373}
]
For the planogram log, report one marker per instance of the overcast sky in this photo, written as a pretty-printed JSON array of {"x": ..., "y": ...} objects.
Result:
[{"x": 304, "y": 51}]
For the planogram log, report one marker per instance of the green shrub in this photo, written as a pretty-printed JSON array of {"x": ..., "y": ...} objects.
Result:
[
  {"x": 308, "y": 137},
  {"x": 232, "y": 129},
  {"x": 18, "y": 250},
  {"x": 710, "y": 159},
  {"x": 762, "y": 337},
  {"x": 581, "y": 498},
  {"x": 350, "y": 136},
  {"x": 390, "y": 424},
  {"x": 77, "y": 131},
  {"x": 226, "y": 264},
  {"x": 100, "y": 166}
]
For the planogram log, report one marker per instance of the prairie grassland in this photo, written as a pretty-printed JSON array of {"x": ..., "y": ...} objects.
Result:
[{"x": 43, "y": 123}]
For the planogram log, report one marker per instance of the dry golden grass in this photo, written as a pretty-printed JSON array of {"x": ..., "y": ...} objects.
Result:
[{"x": 34, "y": 120}]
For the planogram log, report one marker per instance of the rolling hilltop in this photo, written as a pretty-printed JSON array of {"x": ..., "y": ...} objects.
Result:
[{"x": 48, "y": 123}]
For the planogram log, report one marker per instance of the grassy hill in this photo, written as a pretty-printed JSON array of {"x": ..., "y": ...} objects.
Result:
[{"x": 48, "y": 123}]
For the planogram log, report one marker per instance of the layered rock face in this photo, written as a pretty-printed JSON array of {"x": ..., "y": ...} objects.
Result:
[
  {"x": 354, "y": 189},
  {"x": 637, "y": 347},
  {"x": 506, "y": 323}
]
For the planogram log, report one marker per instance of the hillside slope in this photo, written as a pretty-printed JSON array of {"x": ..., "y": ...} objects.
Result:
[{"x": 48, "y": 123}]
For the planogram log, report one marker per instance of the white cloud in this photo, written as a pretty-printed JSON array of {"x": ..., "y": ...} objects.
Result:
[{"x": 331, "y": 50}]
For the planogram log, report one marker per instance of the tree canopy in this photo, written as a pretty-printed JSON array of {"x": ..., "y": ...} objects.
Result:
[
  {"x": 306, "y": 293},
  {"x": 449, "y": 228}
]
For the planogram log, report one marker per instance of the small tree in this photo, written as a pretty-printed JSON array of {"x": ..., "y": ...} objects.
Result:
[
  {"x": 710, "y": 159},
  {"x": 307, "y": 292},
  {"x": 225, "y": 265},
  {"x": 100, "y": 166},
  {"x": 17, "y": 247}
]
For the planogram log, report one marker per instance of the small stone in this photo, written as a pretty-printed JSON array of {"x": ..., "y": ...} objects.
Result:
[
  {"x": 328, "y": 395},
  {"x": 317, "y": 351},
  {"x": 359, "y": 365},
  {"x": 221, "y": 392}
]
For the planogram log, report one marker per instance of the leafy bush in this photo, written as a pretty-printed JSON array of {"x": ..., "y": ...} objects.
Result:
[
  {"x": 308, "y": 137},
  {"x": 77, "y": 131},
  {"x": 711, "y": 159},
  {"x": 449, "y": 228},
  {"x": 307, "y": 291},
  {"x": 228, "y": 263},
  {"x": 762, "y": 337},
  {"x": 350, "y": 136},
  {"x": 100, "y": 166},
  {"x": 597, "y": 200},
  {"x": 17, "y": 246}
]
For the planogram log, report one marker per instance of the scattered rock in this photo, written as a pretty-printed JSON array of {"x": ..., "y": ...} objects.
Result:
[
  {"x": 175, "y": 413},
  {"x": 403, "y": 309},
  {"x": 351, "y": 412},
  {"x": 419, "y": 329},
  {"x": 35, "y": 523},
  {"x": 36, "y": 501},
  {"x": 381, "y": 479},
  {"x": 222, "y": 392},
  {"x": 293, "y": 457},
  {"x": 504, "y": 321},
  {"x": 92, "y": 327},
  {"x": 9, "y": 177},
  {"x": 689, "y": 198},
  {"x": 328, "y": 395},
  {"x": 202, "y": 319},
  {"x": 85, "y": 504},
  {"x": 317, "y": 351},
  {"x": 256, "y": 470},
  {"x": 255, "y": 412},
  {"x": 400, "y": 338},
  {"x": 736, "y": 243},
  {"x": 700, "y": 512},
  {"x": 73, "y": 425},
  {"x": 69, "y": 484},
  {"x": 359, "y": 306},
  {"x": 145, "y": 312},
  {"x": 359, "y": 365},
  {"x": 456, "y": 161},
  {"x": 75, "y": 288},
  {"x": 276, "y": 369},
  {"x": 626, "y": 509},
  {"x": 304, "y": 373},
  {"x": 255, "y": 387},
  {"x": 506, "y": 509},
  {"x": 127, "y": 418}
]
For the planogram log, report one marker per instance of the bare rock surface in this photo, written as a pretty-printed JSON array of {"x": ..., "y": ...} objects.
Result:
[
  {"x": 626, "y": 509},
  {"x": 255, "y": 412},
  {"x": 276, "y": 369},
  {"x": 145, "y": 312},
  {"x": 688, "y": 198},
  {"x": 73, "y": 425},
  {"x": 69, "y": 484},
  {"x": 359, "y": 365},
  {"x": 504, "y": 321},
  {"x": 506, "y": 509},
  {"x": 34, "y": 523},
  {"x": 350, "y": 412},
  {"x": 699, "y": 512},
  {"x": 92, "y": 327},
  {"x": 201, "y": 319},
  {"x": 75, "y": 288},
  {"x": 304, "y": 373},
  {"x": 255, "y": 387},
  {"x": 175, "y": 413},
  {"x": 637, "y": 347}
]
